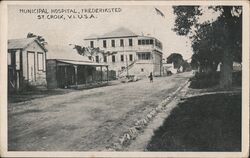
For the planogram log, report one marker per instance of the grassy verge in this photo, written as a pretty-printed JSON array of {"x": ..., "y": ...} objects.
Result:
[
  {"x": 204, "y": 123},
  {"x": 207, "y": 80}
]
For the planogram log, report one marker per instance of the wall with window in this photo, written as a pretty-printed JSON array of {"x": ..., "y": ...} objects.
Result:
[
  {"x": 142, "y": 51},
  {"x": 144, "y": 56},
  {"x": 113, "y": 44},
  {"x": 39, "y": 63},
  {"x": 145, "y": 41}
]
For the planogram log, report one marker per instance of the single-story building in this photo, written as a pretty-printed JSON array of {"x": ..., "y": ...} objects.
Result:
[
  {"x": 168, "y": 67},
  {"x": 66, "y": 68},
  {"x": 26, "y": 63},
  {"x": 237, "y": 66}
]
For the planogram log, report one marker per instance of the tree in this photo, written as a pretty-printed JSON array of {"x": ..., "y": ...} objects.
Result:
[
  {"x": 186, "y": 66},
  {"x": 207, "y": 47},
  {"x": 213, "y": 41},
  {"x": 39, "y": 38},
  {"x": 175, "y": 58},
  {"x": 91, "y": 52}
]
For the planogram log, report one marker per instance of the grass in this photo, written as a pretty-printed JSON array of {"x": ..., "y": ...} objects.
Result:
[
  {"x": 207, "y": 80},
  {"x": 204, "y": 123}
]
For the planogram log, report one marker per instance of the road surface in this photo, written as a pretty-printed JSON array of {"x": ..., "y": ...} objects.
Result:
[{"x": 85, "y": 120}]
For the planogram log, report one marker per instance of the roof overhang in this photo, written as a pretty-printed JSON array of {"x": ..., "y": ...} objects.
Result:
[
  {"x": 109, "y": 37},
  {"x": 75, "y": 62}
]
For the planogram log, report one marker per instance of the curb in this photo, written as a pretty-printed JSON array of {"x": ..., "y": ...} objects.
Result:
[{"x": 139, "y": 125}]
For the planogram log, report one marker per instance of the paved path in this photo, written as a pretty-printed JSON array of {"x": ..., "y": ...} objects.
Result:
[{"x": 86, "y": 120}]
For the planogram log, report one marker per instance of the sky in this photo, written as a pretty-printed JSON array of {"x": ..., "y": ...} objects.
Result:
[{"x": 139, "y": 19}]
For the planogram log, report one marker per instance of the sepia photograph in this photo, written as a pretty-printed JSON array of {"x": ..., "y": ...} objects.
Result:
[{"x": 109, "y": 78}]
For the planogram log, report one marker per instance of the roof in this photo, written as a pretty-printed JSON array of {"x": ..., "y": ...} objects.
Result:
[
  {"x": 74, "y": 62},
  {"x": 23, "y": 43},
  {"x": 65, "y": 52},
  {"x": 120, "y": 32},
  {"x": 92, "y": 36}
]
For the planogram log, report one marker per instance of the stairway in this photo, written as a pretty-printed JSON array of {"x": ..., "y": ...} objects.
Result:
[{"x": 123, "y": 72}]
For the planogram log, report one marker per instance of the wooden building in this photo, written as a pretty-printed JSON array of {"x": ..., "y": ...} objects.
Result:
[
  {"x": 67, "y": 69},
  {"x": 26, "y": 64}
]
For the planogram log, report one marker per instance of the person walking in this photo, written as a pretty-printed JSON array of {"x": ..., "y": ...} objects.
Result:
[{"x": 150, "y": 77}]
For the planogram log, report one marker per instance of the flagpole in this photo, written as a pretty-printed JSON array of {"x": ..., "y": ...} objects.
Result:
[{"x": 158, "y": 12}]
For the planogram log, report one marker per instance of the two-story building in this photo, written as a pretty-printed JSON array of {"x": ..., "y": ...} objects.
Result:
[{"x": 128, "y": 53}]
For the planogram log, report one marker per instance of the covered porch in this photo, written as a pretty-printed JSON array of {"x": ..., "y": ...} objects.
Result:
[{"x": 76, "y": 74}]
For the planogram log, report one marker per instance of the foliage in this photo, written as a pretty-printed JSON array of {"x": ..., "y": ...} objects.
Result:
[
  {"x": 39, "y": 38},
  {"x": 90, "y": 52},
  {"x": 175, "y": 58},
  {"x": 210, "y": 39},
  {"x": 204, "y": 80},
  {"x": 186, "y": 17},
  {"x": 186, "y": 66},
  {"x": 214, "y": 41}
]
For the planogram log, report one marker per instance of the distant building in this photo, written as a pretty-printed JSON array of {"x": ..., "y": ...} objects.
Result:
[
  {"x": 26, "y": 63},
  {"x": 167, "y": 68},
  {"x": 237, "y": 66},
  {"x": 128, "y": 53}
]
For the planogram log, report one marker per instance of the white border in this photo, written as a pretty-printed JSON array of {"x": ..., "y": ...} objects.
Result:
[{"x": 3, "y": 84}]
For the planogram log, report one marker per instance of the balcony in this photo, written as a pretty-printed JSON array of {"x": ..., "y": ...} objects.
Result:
[
  {"x": 148, "y": 48},
  {"x": 120, "y": 49},
  {"x": 144, "y": 61},
  {"x": 137, "y": 48}
]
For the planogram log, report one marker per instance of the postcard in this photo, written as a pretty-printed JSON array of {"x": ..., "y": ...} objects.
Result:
[{"x": 124, "y": 78}]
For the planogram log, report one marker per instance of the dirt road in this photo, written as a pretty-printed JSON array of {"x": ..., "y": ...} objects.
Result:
[{"x": 86, "y": 120}]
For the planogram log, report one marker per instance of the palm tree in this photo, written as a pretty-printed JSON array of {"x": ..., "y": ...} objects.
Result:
[{"x": 39, "y": 38}]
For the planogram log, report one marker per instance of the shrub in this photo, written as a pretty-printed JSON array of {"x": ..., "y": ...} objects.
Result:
[{"x": 205, "y": 80}]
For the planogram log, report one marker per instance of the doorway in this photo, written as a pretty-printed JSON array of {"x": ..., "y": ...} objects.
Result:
[{"x": 31, "y": 66}]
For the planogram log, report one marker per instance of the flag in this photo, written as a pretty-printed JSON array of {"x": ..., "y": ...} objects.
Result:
[{"x": 159, "y": 12}]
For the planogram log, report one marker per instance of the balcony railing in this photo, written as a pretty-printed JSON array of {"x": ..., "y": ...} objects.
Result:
[{"x": 132, "y": 48}]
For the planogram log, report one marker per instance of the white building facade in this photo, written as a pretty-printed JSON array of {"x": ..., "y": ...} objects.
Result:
[{"x": 128, "y": 53}]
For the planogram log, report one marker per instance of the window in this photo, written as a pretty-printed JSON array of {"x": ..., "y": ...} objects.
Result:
[
  {"x": 130, "y": 41},
  {"x": 139, "y": 42},
  {"x": 104, "y": 44},
  {"x": 158, "y": 44},
  {"x": 121, "y": 42},
  {"x": 130, "y": 57},
  {"x": 122, "y": 58},
  {"x": 139, "y": 56},
  {"x": 113, "y": 43},
  {"x": 142, "y": 70},
  {"x": 147, "y": 56},
  {"x": 40, "y": 59},
  {"x": 97, "y": 59},
  {"x": 113, "y": 58},
  {"x": 92, "y": 44},
  {"x": 144, "y": 56},
  {"x": 105, "y": 58},
  {"x": 151, "y": 41},
  {"x": 143, "y": 42}
]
